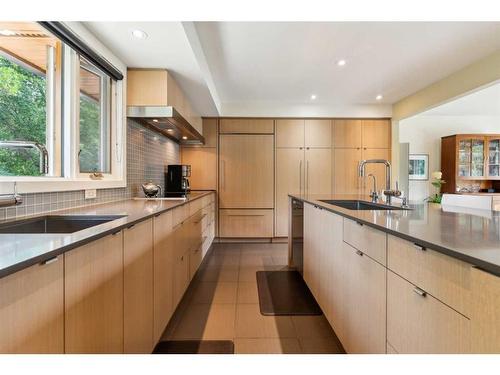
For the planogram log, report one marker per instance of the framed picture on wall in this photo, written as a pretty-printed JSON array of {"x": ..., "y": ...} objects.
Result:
[{"x": 418, "y": 167}]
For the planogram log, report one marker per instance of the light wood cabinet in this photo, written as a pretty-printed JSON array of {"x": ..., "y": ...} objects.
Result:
[
  {"x": 32, "y": 309},
  {"x": 290, "y": 133},
  {"x": 180, "y": 270},
  {"x": 376, "y": 133},
  {"x": 370, "y": 241},
  {"x": 485, "y": 315},
  {"x": 203, "y": 162},
  {"x": 445, "y": 278},
  {"x": 246, "y": 167},
  {"x": 318, "y": 133},
  {"x": 346, "y": 178},
  {"x": 248, "y": 223},
  {"x": 138, "y": 288},
  {"x": 289, "y": 179},
  {"x": 246, "y": 126},
  {"x": 313, "y": 241},
  {"x": 418, "y": 323},
  {"x": 93, "y": 297},
  {"x": 347, "y": 133},
  {"x": 318, "y": 171},
  {"x": 163, "y": 267}
]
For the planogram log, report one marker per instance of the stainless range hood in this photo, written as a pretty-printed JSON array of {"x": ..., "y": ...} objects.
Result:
[{"x": 167, "y": 121}]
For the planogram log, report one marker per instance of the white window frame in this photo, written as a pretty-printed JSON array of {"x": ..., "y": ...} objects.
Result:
[{"x": 71, "y": 178}]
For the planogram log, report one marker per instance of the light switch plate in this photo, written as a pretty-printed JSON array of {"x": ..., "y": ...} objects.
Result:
[{"x": 90, "y": 194}]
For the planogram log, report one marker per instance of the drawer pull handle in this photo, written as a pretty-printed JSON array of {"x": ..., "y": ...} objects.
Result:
[
  {"x": 417, "y": 246},
  {"x": 158, "y": 215},
  {"x": 360, "y": 253},
  {"x": 420, "y": 292},
  {"x": 49, "y": 261},
  {"x": 131, "y": 226},
  {"x": 360, "y": 224}
]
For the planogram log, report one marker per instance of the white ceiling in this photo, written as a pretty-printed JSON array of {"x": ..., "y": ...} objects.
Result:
[
  {"x": 484, "y": 102},
  {"x": 272, "y": 68}
]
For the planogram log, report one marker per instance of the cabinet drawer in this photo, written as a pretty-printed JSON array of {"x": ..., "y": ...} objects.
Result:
[
  {"x": 246, "y": 223},
  {"x": 179, "y": 214},
  {"x": 419, "y": 323},
  {"x": 195, "y": 206},
  {"x": 446, "y": 278},
  {"x": 246, "y": 125},
  {"x": 370, "y": 241}
]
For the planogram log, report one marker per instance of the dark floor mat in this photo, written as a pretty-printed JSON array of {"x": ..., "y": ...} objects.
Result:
[
  {"x": 195, "y": 347},
  {"x": 285, "y": 293}
]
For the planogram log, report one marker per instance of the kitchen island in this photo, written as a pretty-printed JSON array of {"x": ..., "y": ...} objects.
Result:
[{"x": 424, "y": 280}]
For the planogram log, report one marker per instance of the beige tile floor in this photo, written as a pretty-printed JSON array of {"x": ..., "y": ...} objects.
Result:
[{"x": 222, "y": 304}]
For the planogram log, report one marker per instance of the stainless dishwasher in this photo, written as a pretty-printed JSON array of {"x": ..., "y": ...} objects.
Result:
[{"x": 295, "y": 234}]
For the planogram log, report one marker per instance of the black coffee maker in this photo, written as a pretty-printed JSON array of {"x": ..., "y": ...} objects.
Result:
[{"x": 176, "y": 180}]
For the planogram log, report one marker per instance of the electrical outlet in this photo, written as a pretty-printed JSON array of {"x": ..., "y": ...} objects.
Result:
[{"x": 90, "y": 194}]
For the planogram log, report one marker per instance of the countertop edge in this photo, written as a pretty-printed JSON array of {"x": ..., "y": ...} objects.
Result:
[
  {"x": 63, "y": 249},
  {"x": 475, "y": 262}
]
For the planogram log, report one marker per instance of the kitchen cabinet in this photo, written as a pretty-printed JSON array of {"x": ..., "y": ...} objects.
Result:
[
  {"x": 356, "y": 140},
  {"x": 289, "y": 179},
  {"x": 318, "y": 133},
  {"x": 318, "y": 171},
  {"x": 163, "y": 307},
  {"x": 346, "y": 180},
  {"x": 32, "y": 309},
  {"x": 485, "y": 316},
  {"x": 246, "y": 167},
  {"x": 364, "y": 287},
  {"x": 138, "y": 288},
  {"x": 203, "y": 162},
  {"x": 180, "y": 271},
  {"x": 93, "y": 297},
  {"x": 246, "y": 126},
  {"x": 245, "y": 223},
  {"x": 370, "y": 241},
  {"x": 290, "y": 133},
  {"x": 418, "y": 323},
  {"x": 313, "y": 247}
]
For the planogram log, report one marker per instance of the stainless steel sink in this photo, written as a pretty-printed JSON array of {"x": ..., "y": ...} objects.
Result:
[
  {"x": 56, "y": 224},
  {"x": 360, "y": 205}
]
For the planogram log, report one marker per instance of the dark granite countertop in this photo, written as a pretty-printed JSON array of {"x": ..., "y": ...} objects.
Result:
[
  {"x": 470, "y": 235},
  {"x": 19, "y": 251}
]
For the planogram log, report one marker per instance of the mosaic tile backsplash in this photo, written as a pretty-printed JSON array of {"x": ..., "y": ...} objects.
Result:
[{"x": 148, "y": 154}]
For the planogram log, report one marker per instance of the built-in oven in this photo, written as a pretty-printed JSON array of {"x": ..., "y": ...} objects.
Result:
[{"x": 295, "y": 234}]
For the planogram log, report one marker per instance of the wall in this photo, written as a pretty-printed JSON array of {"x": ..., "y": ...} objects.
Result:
[
  {"x": 424, "y": 133},
  {"x": 148, "y": 153}
]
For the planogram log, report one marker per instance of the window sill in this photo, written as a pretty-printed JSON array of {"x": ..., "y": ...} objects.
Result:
[{"x": 51, "y": 184}]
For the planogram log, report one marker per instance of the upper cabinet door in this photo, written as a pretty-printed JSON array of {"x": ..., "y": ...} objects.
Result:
[
  {"x": 471, "y": 156},
  {"x": 376, "y": 133},
  {"x": 318, "y": 133},
  {"x": 347, "y": 134},
  {"x": 493, "y": 157},
  {"x": 246, "y": 126},
  {"x": 289, "y": 133},
  {"x": 246, "y": 171}
]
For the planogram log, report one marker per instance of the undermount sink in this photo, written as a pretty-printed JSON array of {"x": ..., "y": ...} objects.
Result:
[
  {"x": 360, "y": 205},
  {"x": 56, "y": 224}
]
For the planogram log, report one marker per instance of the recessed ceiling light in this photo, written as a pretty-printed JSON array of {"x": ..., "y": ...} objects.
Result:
[
  {"x": 6, "y": 32},
  {"x": 313, "y": 97},
  {"x": 139, "y": 34},
  {"x": 170, "y": 130},
  {"x": 184, "y": 137},
  {"x": 341, "y": 62},
  {"x": 155, "y": 120},
  {"x": 379, "y": 97}
]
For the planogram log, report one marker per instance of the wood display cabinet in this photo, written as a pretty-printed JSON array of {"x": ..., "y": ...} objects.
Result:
[{"x": 468, "y": 158}]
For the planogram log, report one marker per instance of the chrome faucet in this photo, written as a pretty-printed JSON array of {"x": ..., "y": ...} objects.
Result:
[
  {"x": 373, "y": 194},
  {"x": 44, "y": 154},
  {"x": 11, "y": 199},
  {"x": 362, "y": 173}
]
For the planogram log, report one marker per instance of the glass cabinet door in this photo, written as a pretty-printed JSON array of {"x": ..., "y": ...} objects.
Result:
[
  {"x": 493, "y": 166},
  {"x": 471, "y": 157}
]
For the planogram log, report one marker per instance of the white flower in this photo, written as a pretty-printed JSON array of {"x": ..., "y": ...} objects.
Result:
[{"x": 437, "y": 175}]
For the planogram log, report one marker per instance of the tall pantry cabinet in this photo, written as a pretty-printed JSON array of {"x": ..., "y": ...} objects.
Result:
[
  {"x": 355, "y": 140},
  {"x": 303, "y": 163}
]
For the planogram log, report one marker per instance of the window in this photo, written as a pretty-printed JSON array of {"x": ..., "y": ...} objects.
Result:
[
  {"x": 28, "y": 70},
  {"x": 62, "y": 124},
  {"x": 94, "y": 119}
]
